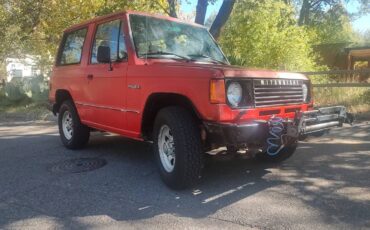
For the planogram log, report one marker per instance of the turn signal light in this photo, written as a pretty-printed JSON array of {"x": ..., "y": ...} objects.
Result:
[{"x": 217, "y": 91}]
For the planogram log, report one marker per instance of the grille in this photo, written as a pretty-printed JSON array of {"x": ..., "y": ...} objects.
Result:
[{"x": 276, "y": 92}]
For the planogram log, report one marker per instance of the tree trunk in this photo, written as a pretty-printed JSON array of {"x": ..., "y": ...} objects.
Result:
[
  {"x": 172, "y": 4},
  {"x": 222, "y": 17},
  {"x": 304, "y": 13},
  {"x": 201, "y": 11}
]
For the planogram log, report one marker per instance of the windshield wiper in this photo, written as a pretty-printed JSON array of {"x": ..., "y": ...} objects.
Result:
[
  {"x": 206, "y": 56},
  {"x": 161, "y": 53}
]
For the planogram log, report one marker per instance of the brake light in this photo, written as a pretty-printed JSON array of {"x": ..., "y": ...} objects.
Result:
[{"x": 217, "y": 91}]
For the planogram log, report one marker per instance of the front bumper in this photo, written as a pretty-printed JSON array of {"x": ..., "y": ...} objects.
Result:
[
  {"x": 236, "y": 134},
  {"x": 257, "y": 132},
  {"x": 321, "y": 119}
]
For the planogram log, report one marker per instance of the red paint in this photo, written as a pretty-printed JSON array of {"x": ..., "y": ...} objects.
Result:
[{"x": 106, "y": 102}]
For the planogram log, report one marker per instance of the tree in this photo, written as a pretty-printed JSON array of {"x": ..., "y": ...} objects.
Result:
[
  {"x": 265, "y": 34},
  {"x": 310, "y": 8},
  {"x": 201, "y": 12},
  {"x": 35, "y": 27},
  {"x": 222, "y": 17},
  {"x": 172, "y": 5},
  {"x": 333, "y": 26},
  {"x": 365, "y": 36},
  {"x": 329, "y": 19}
]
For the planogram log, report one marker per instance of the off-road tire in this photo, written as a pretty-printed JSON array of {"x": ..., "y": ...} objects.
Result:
[
  {"x": 283, "y": 155},
  {"x": 81, "y": 133},
  {"x": 188, "y": 147}
]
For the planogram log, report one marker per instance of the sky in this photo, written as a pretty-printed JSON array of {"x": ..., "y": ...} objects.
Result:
[{"x": 360, "y": 24}]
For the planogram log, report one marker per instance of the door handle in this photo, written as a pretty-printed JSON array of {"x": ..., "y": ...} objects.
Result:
[{"x": 90, "y": 76}]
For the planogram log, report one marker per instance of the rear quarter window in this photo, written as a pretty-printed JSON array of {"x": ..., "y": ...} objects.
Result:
[{"x": 71, "y": 47}]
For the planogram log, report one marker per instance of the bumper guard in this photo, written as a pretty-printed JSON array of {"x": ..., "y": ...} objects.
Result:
[
  {"x": 257, "y": 132},
  {"x": 321, "y": 119}
]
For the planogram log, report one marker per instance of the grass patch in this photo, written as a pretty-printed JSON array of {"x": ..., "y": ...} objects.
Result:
[
  {"x": 24, "y": 111},
  {"x": 356, "y": 100}
]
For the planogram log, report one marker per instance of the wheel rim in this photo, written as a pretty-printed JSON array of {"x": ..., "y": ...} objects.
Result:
[
  {"x": 166, "y": 148},
  {"x": 67, "y": 125}
]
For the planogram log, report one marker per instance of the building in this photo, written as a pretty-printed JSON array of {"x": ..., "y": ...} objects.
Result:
[
  {"x": 358, "y": 56},
  {"x": 342, "y": 56},
  {"x": 17, "y": 68},
  {"x": 353, "y": 57}
]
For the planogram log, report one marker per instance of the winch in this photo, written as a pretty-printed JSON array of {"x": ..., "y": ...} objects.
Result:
[{"x": 283, "y": 132}]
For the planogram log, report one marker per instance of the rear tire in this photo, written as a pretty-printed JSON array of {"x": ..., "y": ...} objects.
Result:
[
  {"x": 283, "y": 155},
  {"x": 178, "y": 147},
  {"x": 73, "y": 133}
]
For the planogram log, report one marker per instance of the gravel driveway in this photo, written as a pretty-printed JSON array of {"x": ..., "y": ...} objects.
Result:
[{"x": 325, "y": 185}]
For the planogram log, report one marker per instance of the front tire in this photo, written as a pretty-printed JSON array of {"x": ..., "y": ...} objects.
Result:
[
  {"x": 283, "y": 155},
  {"x": 178, "y": 147},
  {"x": 73, "y": 133}
]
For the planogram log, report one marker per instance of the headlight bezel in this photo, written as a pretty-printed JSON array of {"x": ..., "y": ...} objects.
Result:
[
  {"x": 247, "y": 93},
  {"x": 238, "y": 84}
]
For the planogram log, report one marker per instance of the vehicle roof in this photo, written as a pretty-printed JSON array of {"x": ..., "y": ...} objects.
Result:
[{"x": 113, "y": 15}]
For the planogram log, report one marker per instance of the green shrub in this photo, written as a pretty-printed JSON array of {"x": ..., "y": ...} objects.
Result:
[
  {"x": 36, "y": 89},
  {"x": 2, "y": 93},
  {"x": 265, "y": 34},
  {"x": 355, "y": 99},
  {"x": 14, "y": 91}
]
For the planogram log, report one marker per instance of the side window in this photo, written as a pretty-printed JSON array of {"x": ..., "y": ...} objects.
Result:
[
  {"x": 71, "y": 51},
  {"x": 109, "y": 34}
]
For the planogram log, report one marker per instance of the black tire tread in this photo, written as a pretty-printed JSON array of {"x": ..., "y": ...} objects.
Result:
[
  {"x": 188, "y": 135},
  {"x": 81, "y": 133}
]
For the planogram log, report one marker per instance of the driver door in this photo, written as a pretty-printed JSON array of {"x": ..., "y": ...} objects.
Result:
[{"x": 106, "y": 92}]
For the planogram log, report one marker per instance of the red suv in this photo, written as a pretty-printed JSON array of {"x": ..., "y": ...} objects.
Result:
[{"x": 158, "y": 79}]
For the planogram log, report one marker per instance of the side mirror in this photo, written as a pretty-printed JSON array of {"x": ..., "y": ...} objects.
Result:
[{"x": 104, "y": 54}]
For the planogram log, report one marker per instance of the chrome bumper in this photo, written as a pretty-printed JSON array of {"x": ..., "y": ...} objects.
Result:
[{"x": 321, "y": 119}]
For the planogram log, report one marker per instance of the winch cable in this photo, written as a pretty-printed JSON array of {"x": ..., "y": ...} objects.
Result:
[{"x": 275, "y": 142}]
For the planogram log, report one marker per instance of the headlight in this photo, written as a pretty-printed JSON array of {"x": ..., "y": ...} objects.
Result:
[
  {"x": 234, "y": 94},
  {"x": 305, "y": 92}
]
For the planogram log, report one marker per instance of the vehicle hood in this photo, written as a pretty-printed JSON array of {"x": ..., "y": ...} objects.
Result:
[
  {"x": 238, "y": 72},
  {"x": 229, "y": 71}
]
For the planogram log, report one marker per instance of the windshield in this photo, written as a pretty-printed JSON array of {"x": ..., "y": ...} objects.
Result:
[{"x": 159, "y": 38}]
